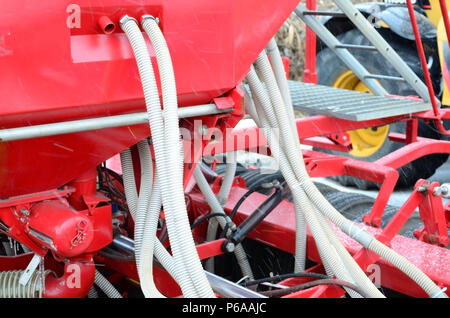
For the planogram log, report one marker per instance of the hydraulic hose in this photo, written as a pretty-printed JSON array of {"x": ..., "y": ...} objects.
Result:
[
  {"x": 173, "y": 192},
  {"x": 173, "y": 209}
]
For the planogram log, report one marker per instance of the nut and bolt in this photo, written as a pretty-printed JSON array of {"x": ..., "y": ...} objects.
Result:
[
  {"x": 25, "y": 212},
  {"x": 229, "y": 247}
]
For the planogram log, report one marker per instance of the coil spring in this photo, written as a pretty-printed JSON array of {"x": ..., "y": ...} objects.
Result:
[{"x": 11, "y": 288}]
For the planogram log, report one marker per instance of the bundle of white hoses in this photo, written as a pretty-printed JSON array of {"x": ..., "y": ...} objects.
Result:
[
  {"x": 272, "y": 112},
  {"x": 145, "y": 207}
]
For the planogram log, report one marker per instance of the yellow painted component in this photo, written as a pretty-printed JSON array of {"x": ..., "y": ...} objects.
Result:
[
  {"x": 383, "y": 24},
  {"x": 442, "y": 40},
  {"x": 434, "y": 13},
  {"x": 365, "y": 141}
]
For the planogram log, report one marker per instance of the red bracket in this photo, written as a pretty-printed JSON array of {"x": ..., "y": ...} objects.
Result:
[{"x": 432, "y": 214}]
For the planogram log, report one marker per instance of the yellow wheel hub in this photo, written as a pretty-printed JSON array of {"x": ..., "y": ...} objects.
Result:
[{"x": 365, "y": 141}]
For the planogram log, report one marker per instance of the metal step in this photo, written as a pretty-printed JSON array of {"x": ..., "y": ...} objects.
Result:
[
  {"x": 350, "y": 105},
  {"x": 372, "y": 35}
]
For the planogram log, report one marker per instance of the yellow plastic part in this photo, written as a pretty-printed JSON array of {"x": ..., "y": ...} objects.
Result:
[{"x": 365, "y": 141}]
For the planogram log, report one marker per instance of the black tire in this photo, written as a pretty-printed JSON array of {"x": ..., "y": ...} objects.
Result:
[{"x": 329, "y": 68}]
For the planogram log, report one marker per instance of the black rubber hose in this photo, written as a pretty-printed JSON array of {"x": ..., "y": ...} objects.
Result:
[
  {"x": 336, "y": 282},
  {"x": 279, "y": 278}
]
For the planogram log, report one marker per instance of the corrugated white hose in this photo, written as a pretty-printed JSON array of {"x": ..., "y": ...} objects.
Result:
[
  {"x": 145, "y": 191},
  {"x": 148, "y": 243},
  {"x": 222, "y": 197},
  {"x": 129, "y": 182},
  {"x": 260, "y": 98},
  {"x": 211, "y": 234},
  {"x": 146, "y": 254},
  {"x": 300, "y": 223},
  {"x": 227, "y": 181},
  {"x": 168, "y": 188},
  {"x": 172, "y": 191},
  {"x": 215, "y": 206},
  {"x": 296, "y": 165},
  {"x": 280, "y": 74},
  {"x": 106, "y": 286},
  {"x": 347, "y": 226},
  {"x": 326, "y": 251}
]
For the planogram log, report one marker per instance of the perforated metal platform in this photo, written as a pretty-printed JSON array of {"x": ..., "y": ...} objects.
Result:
[{"x": 347, "y": 104}]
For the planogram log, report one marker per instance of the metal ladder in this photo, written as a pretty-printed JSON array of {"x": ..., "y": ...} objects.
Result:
[{"x": 378, "y": 42}]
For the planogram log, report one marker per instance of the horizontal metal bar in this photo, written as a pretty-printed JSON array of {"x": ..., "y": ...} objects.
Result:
[
  {"x": 82, "y": 125},
  {"x": 325, "y": 13},
  {"x": 220, "y": 285},
  {"x": 386, "y": 77},
  {"x": 355, "y": 46}
]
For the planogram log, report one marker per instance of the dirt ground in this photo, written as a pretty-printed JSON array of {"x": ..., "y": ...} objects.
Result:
[{"x": 291, "y": 38}]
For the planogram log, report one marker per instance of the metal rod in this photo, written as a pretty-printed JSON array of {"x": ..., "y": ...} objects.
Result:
[
  {"x": 355, "y": 46},
  {"x": 343, "y": 54},
  {"x": 325, "y": 13},
  {"x": 360, "y": 21},
  {"x": 386, "y": 77},
  {"x": 220, "y": 285},
  {"x": 82, "y": 125}
]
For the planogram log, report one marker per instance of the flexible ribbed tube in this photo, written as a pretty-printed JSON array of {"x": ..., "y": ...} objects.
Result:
[
  {"x": 300, "y": 223},
  {"x": 106, "y": 286},
  {"x": 145, "y": 191},
  {"x": 228, "y": 178},
  {"x": 280, "y": 74},
  {"x": 292, "y": 145},
  {"x": 148, "y": 243},
  {"x": 174, "y": 194},
  {"x": 168, "y": 188},
  {"x": 326, "y": 251},
  {"x": 261, "y": 100},
  {"x": 129, "y": 182},
  {"x": 11, "y": 288}
]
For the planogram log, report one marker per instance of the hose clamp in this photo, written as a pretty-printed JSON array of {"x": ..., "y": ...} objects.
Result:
[
  {"x": 125, "y": 19},
  {"x": 149, "y": 16}
]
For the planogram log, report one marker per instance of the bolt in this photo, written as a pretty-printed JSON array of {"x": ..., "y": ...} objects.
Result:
[
  {"x": 229, "y": 247},
  {"x": 344, "y": 138},
  {"x": 423, "y": 188},
  {"x": 23, "y": 220},
  {"x": 437, "y": 191},
  {"x": 25, "y": 212}
]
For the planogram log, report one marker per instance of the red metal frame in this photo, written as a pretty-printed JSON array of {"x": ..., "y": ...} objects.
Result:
[
  {"x": 70, "y": 52},
  {"x": 278, "y": 230}
]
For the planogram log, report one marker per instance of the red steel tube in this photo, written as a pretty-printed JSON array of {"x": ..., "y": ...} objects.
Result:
[
  {"x": 422, "y": 57},
  {"x": 426, "y": 73},
  {"x": 444, "y": 12},
  {"x": 310, "y": 74}
]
